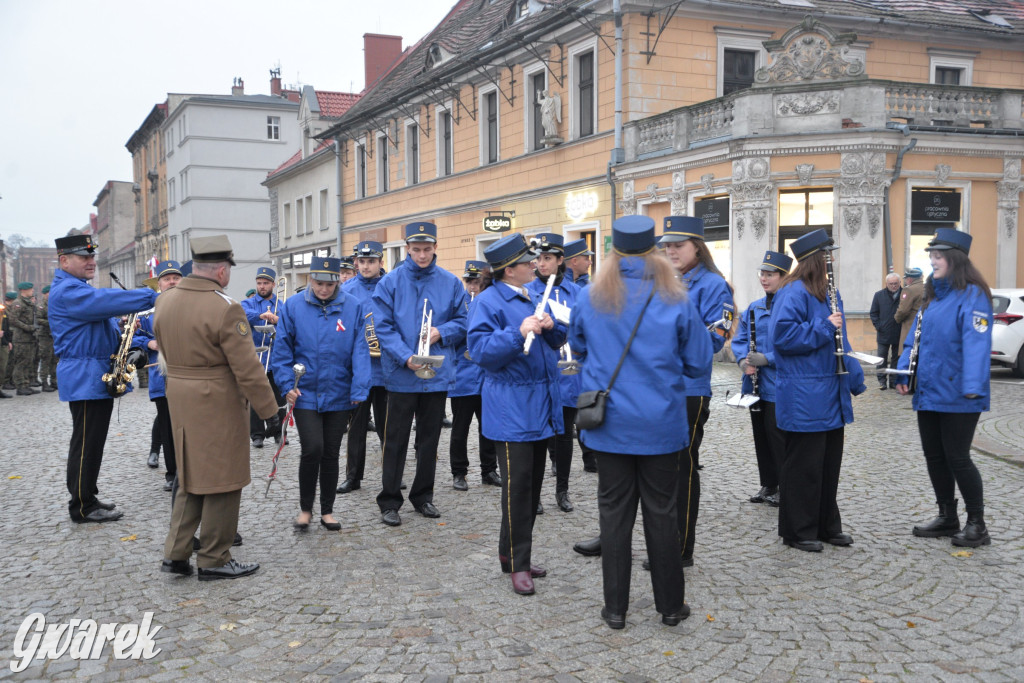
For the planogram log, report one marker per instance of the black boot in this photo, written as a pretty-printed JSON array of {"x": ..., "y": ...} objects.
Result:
[
  {"x": 974, "y": 533},
  {"x": 946, "y": 524}
]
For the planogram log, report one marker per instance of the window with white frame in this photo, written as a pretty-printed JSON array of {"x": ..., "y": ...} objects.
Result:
[
  {"x": 394, "y": 254},
  {"x": 383, "y": 169},
  {"x": 583, "y": 90},
  {"x": 951, "y": 67},
  {"x": 484, "y": 241},
  {"x": 740, "y": 54},
  {"x": 360, "y": 179},
  {"x": 490, "y": 135},
  {"x": 300, "y": 216},
  {"x": 325, "y": 216},
  {"x": 412, "y": 153},
  {"x": 444, "y": 143},
  {"x": 172, "y": 196},
  {"x": 273, "y": 127},
  {"x": 286, "y": 225},
  {"x": 536, "y": 83},
  {"x": 307, "y": 202},
  {"x": 184, "y": 185}
]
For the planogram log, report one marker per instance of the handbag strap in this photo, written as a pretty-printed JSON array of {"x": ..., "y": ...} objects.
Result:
[{"x": 630, "y": 341}]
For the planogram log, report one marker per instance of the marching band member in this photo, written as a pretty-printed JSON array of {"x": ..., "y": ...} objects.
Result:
[
  {"x": 710, "y": 294},
  {"x": 368, "y": 256},
  {"x": 769, "y": 442},
  {"x": 812, "y": 398},
  {"x": 348, "y": 269},
  {"x": 639, "y": 447},
  {"x": 398, "y": 306},
  {"x": 465, "y": 398},
  {"x": 322, "y": 329},
  {"x": 261, "y": 310},
  {"x": 577, "y": 269},
  {"x": 548, "y": 249},
  {"x": 954, "y": 329},
  {"x": 521, "y": 398}
]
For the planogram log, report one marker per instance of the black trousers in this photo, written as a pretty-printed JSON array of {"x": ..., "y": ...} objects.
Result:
[
  {"x": 946, "y": 440},
  {"x": 428, "y": 408},
  {"x": 769, "y": 443},
  {"x": 652, "y": 480},
  {"x": 808, "y": 485},
  {"x": 560, "y": 449},
  {"x": 258, "y": 427},
  {"x": 155, "y": 438},
  {"x": 163, "y": 419},
  {"x": 463, "y": 410},
  {"x": 522, "y": 475},
  {"x": 356, "y": 448},
  {"x": 697, "y": 413},
  {"x": 89, "y": 423},
  {"x": 891, "y": 354},
  {"x": 320, "y": 436}
]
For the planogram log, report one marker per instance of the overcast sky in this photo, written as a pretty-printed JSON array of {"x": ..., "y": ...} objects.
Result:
[{"x": 82, "y": 75}]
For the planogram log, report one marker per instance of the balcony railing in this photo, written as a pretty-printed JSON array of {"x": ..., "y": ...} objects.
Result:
[{"x": 829, "y": 106}]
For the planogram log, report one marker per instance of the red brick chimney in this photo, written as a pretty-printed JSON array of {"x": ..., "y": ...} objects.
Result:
[
  {"x": 275, "y": 82},
  {"x": 237, "y": 87},
  {"x": 379, "y": 53}
]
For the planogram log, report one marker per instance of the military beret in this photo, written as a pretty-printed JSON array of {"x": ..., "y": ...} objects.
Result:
[
  {"x": 11, "y": 295},
  {"x": 46, "y": 289},
  {"x": 25, "y": 285}
]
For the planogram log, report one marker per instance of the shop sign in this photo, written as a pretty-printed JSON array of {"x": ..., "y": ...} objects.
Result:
[
  {"x": 927, "y": 206},
  {"x": 498, "y": 223},
  {"x": 714, "y": 212},
  {"x": 579, "y": 205}
]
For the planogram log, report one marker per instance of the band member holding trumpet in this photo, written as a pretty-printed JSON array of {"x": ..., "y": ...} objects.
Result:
[
  {"x": 549, "y": 259},
  {"x": 752, "y": 347},
  {"x": 322, "y": 329},
  {"x": 466, "y": 402},
  {"x": 420, "y": 311},
  {"x": 368, "y": 255},
  {"x": 953, "y": 338},
  {"x": 84, "y": 337},
  {"x": 813, "y": 395},
  {"x": 711, "y": 295},
  {"x": 517, "y": 345},
  {"x": 261, "y": 311}
]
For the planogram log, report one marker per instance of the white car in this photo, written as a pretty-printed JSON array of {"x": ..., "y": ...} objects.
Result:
[{"x": 1008, "y": 331}]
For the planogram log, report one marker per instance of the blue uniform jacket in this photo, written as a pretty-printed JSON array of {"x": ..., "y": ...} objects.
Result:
[
  {"x": 361, "y": 289},
  {"x": 580, "y": 282},
  {"x": 328, "y": 340},
  {"x": 810, "y": 396},
  {"x": 709, "y": 293},
  {"x": 469, "y": 376},
  {"x": 953, "y": 358},
  {"x": 646, "y": 410},
  {"x": 520, "y": 394},
  {"x": 143, "y": 335},
  {"x": 253, "y": 307},
  {"x": 566, "y": 293},
  {"x": 84, "y": 335},
  {"x": 763, "y": 342},
  {"x": 398, "y": 310}
]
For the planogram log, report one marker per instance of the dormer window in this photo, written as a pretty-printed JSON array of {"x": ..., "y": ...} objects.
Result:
[
  {"x": 520, "y": 10},
  {"x": 435, "y": 55}
]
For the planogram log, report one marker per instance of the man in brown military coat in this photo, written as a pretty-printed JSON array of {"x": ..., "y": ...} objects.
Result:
[
  {"x": 211, "y": 370},
  {"x": 910, "y": 301}
]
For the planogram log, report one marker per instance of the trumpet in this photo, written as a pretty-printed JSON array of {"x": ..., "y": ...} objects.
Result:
[
  {"x": 725, "y": 322},
  {"x": 423, "y": 356},
  {"x": 123, "y": 363},
  {"x": 281, "y": 292},
  {"x": 370, "y": 334}
]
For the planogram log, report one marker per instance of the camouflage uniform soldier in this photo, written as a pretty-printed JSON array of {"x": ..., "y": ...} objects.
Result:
[
  {"x": 23, "y": 314},
  {"x": 7, "y": 350},
  {"x": 48, "y": 366}
]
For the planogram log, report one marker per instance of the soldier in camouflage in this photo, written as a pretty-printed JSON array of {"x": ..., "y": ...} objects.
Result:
[
  {"x": 48, "y": 361},
  {"x": 23, "y": 320}
]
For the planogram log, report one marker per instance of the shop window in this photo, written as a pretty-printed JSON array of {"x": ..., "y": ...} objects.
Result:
[
  {"x": 800, "y": 212},
  {"x": 930, "y": 209}
]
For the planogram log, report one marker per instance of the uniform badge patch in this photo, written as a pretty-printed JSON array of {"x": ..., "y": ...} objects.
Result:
[
  {"x": 980, "y": 322},
  {"x": 243, "y": 328}
]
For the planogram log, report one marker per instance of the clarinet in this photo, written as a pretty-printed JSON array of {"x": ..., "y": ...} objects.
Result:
[
  {"x": 756, "y": 408},
  {"x": 912, "y": 367},
  {"x": 833, "y": 302}
]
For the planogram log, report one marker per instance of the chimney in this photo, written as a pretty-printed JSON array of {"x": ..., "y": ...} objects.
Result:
[
  {"x": 275, "y": 82},
  {"x": 237, "y": 87},
  {"x": 379, "y": 53}
]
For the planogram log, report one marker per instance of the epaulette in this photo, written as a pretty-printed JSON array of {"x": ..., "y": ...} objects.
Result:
[{"x": 226, "y": 298}]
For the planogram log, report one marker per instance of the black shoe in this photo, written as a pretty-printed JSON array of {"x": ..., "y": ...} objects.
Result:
[
  {"x": 8, "y": 387},
  {"x": 946, "y": 524},
  {"x": 590, "y": 548},
  {"x": 154, "y": 460},
  {"x": 564, "y": 504},
  {"x": 446, "y": 423},
  {"x": 459, "y": 484},
  {"x": 99, "y": 515},
  {"x": 540, "y": 508},
  {"x": 370, "y": 427},
  {"x": 257, "y": 442},
  {"x": 301, "y": 526},
  {"x": 36, "y": 384},
  {"x": 49, "y": 388},
  {"x": 238, "y": 540},
  {"x": 348, "y": 486},
  {"x": 615, "y": 621},
  {"x": 3, "y": 395},
  {"x": 492, "y": 479},
  {"x": 232, "y": 570},
  {"x": 330, "y": 526},
  {"x": 773, "y": 499},
  {"x": 760, "y": 495},
  {"x": 428, "y": 510},
  {"x": 974, "y": 533},
  {"x": 589, "y": 466},
  {"x": 177, "y": 567},
  {"x": 403, "y": 486},
  {"x": 839, "y": 539},
  {"x": 390, "y": 517},
  {"x": 105, "y": 504},
  {"x": 168, "y": 485},
  {"x": 25, "y": 391},
  {"x": 806, "y": 546},
  {"x": 882, "y": 387},
  {"x": 673, "y": 619}
]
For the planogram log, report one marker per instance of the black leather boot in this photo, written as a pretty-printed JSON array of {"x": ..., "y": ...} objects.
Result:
[
  {"x": 974, "y": 533},
  {"x": 946, "y": 524}
]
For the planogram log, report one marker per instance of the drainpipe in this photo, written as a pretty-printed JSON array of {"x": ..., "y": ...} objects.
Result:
[
  {"x": 618, "y": 154},
  {"x": 337, "y": 174},
  {"x": 886, "y": 226}
]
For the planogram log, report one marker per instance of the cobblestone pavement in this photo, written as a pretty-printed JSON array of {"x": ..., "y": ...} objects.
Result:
[{"x": 427, "y": 600}]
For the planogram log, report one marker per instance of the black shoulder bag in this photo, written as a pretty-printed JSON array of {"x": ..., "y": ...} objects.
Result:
[{"x": 591, "y": 404}]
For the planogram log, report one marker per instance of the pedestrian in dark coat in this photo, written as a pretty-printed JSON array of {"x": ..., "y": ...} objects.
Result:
[{"x": 887, "y": 331}]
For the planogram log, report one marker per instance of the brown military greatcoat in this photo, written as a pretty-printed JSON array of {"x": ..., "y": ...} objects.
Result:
[
  {"x": 212, "y": 369},
  {"x": 910, "y": 302}
]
